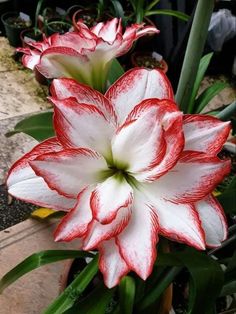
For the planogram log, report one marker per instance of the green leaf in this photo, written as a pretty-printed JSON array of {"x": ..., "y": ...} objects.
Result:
[
  {"x": 38, "y": 126},
  {"x": 151, "y": 5},
  {"x": 71, "y": 294},
  {"x": 206, "y": 279},
  {"x": 167, "y": 278},
  {"x": 228, "y": 197},
  {"x": 194, "y": 50},
  {"x": 180, "y": 15},
  {"x": 207, "y": 95},
  {"x": 37, "y": 260},
  {"x": 118, "y": 9},
  {"x": 228, "y": 289},
  {"x": 127, "y": 295},
  {"x": 204, "y": 63},
  {"x": 95, "y": 303},
  {"x": 116, "y": 71},
  {"x": 228, "y": 112},
  {"x": 228, "y": 201}
]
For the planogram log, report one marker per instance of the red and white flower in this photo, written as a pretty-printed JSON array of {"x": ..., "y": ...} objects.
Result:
[
  {"x": 127, "y": 166},
  {"x": 84, "y": 54}
]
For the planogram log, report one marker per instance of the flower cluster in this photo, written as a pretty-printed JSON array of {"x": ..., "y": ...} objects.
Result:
[
  {"x": 84, "y": 54},
  {"x": 127, "y": 166}
]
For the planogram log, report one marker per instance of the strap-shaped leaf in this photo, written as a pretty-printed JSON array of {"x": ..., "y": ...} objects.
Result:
[
  {"x": 37, "y": 260},
  {"x": 39, "y": 126},
  {"x": 207, "y": 95},
  {"x": 127, "y": 295},
  {"x": 204, "y": 63},
  {"x": 228, "y": 197},
  {"x": 206, "y": 279},
  {"x": 97, "y": 302},
  {"x": 180, "y": 15},
  {"x": 71, "y": 294}
]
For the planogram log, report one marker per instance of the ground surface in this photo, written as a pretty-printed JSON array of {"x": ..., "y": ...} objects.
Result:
[{"x": 20, "y": 96}]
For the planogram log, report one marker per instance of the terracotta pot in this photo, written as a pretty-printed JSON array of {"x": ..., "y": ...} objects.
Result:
[{"x": 148, "y": 55}]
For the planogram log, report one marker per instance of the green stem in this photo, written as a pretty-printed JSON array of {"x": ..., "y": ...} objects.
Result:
[
  {"x": 225, "y": 114},
  {"x": 193, "y": 53}
]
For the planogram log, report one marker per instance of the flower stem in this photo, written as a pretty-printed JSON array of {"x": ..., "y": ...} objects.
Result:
[{"x": 193, "y": 53}]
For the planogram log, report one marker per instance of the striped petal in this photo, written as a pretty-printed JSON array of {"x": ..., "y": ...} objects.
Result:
[
  {"x": 178, "y": 222},
  {"x": 140, "y": 143},
  {"x": 109, "y": 30},
  {"x": 135, "y": 86},
  {"x": 75, "y": 223},
  {"x": 98, "y": 232},
  {"x": 137, "y": 242},
  {"x": 205, "y": 133},
  {"x": 194, "y": 176},
  {"x": 66, "y": 88},
  {"x": 59, "y": 62},
  {"x": 213, "y": 220},
  {"x": 69, "y": 171},
  {"x": 82, "y": 125},
  {"x": 24, "y": 184},
  {"x": 109, "y": 197},
  {"x": 111, "y": 264}
]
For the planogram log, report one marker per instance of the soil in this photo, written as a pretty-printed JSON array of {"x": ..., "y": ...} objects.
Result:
[
  {"x": 59, "y": 27},
  {"x": 88, "y": 20},
  {"x": 12, "y": 211},
  {"x": 17, "y": 22},
  {"x": 148, "y": 62}
]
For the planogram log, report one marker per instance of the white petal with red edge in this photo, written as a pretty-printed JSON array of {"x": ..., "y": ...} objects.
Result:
[
  {"x": 70, "y": 171},
  {"x": 205, "y": 133},
  {"x": 111, "y": 264},
  {"x": 34, "y": 189},
  {"x": 174, "y": 138},
  {"x": 178, "y": 222},
  {"x": 82, "y": 125},
  {"x": 192, "y": 178},
  {"x": 58, "y": 62},
  {"x": 25, "y": 185},
  {"x": 75, "y": 223},
  {"x": 109, "y": 30},
  {"x": 109, "y": 197},
  {"x": 66, "y": 88},
  {"x": 138, "y": 241},
  {"x": 135, "y": 86},
  {"x": 73, "y": 40},
  {"x": 98, "y": 232},
  {"x": 131, "y": 34},
  {"x": 139, "y": 143},
  {"x": 213, "y": 220}
]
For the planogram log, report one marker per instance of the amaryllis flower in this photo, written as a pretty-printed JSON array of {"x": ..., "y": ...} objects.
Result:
[
  {"x": 128, "y": 167},
  {"x": 86, "y": 54}
]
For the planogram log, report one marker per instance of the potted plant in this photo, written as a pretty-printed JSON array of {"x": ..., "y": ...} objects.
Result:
[
  {"x": 14, "y": 24},
  {"x": 151, "y": 60},
  {"x": 134, "y": 170},
  {"x": 34, "y": 33}
]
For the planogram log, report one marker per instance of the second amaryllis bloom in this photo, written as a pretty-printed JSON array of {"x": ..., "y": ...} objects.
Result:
[
  {"x": 85, "y": 54},
  {"x": 127, "y": 167}
]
